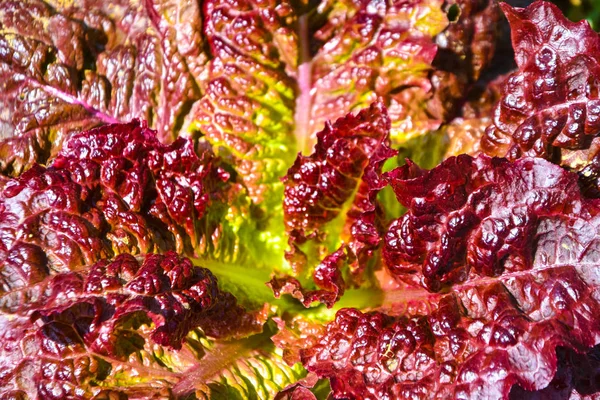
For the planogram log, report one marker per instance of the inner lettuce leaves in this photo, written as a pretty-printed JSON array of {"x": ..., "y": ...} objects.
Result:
[{"x": 332, "y": 216}]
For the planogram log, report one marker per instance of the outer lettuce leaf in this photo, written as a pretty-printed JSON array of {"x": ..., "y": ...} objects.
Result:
[
  {"x": 551, "y": 103},
  {"x": 67, "y": 67},
  {"x": 576, "y": 378},
  {"x": 113, "y": 190},
  {"x": 146, "y": 189},
  {"x": 496, "y": 265},
  {"x": 116, "y": 189},
  {"x": 470, "y": 218},
  {"x": 330, "y": 206},
  {"x": 120, "y": 328}
]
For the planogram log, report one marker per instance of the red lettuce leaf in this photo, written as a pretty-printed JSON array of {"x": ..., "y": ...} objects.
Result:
[
  {"x": 331, "y": 200},
  {"x": 299, "y": 390},
  {"x": 551, "y": 103},
  {"x": 69, "y": 67},
  {"x": 166, "y": 290},
  {"x": 383, "y": 51},
  {"x": 509, "y": 250},
  {"x": 475, "y": 217},
  {"x": 142, "y": 182},
  {"x": 246, "y": 112},
  {"x": 112, "y": 190},
  {"x": 577, "y": 378},
  {"x": 74, "y": 333}
]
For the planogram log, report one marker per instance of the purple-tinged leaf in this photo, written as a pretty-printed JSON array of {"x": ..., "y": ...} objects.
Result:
[
  {"x": 69, "y": 68},
  {"x": 577, "y": 378},
  {"x": 116, "y": 327},
  {"x": 551, "y": 103},
  {"x": 111, "y": 190},
  {"x": 502, "y": 257},
  {"x": 474, "y": 217}
]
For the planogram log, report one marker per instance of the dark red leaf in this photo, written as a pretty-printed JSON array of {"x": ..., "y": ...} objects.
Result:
[
  {"x": 551, "y": 103},
  {"x": 111, "y": 325},
  {"x": 510, "y": 250},
  {"x": 333, "y": 192},
  {"x": 115, "y": 189}
]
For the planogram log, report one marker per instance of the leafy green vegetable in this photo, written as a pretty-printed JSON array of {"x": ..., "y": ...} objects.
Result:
[{"x": 243, "y": 199}]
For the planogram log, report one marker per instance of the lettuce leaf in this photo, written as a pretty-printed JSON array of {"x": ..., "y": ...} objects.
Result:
[
  {"x": 127, "y": 327},
  {"x": 551, "y": 102},
  {"x": 330, "y": 205},
  {"x": 71, "y": 66},
  {"x": 496, "y": 267},
  {"x": 113, "y": 190}
]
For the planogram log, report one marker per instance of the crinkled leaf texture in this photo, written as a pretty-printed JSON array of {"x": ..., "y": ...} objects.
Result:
[
  {"x": 70, "y": 66},
  {"x": 497, "y": 265},
  {"x": 486, "y": 273},
  {"x": 126, "y": 328},
  {"x": 79, "y": 323},
  {"x": 332, "y": 216},
  {"x": 280, "y": 69},
  {"x": 550, "y": 104},
  {"x": 115, "y": 189},
  {"x": 577, "y": 378},
  {"x": 256, "y": 80}
]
